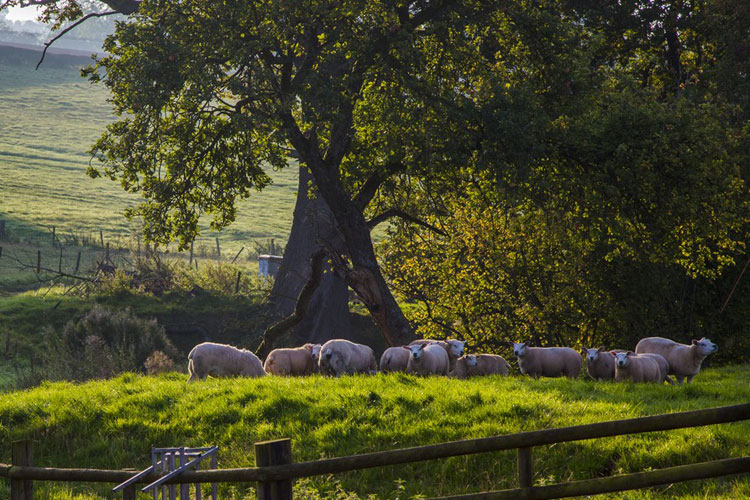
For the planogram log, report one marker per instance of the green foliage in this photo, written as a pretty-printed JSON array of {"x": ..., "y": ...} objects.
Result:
[
  {"x": 500, "y": 273},
  {"x": 608, "y": 196},
  {"x": 101, "y": 344},
  {"x": 114, "y": 424}
]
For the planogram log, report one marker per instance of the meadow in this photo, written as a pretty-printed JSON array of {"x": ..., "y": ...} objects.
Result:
[
  {"x": 49, "y": 119},
  {"x": 114, "y": 424}
]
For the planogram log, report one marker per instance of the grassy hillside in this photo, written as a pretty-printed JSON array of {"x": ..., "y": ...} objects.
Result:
[
  {"x": 114, "y": 424},
  {"x": 48, "y": 121}
]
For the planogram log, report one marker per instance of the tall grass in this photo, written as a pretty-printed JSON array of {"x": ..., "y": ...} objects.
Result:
[{"x": 114, "y": 424}]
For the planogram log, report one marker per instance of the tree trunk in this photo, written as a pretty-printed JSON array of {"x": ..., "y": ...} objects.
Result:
[
  {"x": 365, "y": 277},
  {"x": 328, "y": 313}
]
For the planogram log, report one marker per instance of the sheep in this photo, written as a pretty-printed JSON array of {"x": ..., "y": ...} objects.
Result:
[
  {"x": 462, "y": 365},
  {"x": 394, "y": 359},
  {"x": 472, "y": 365},
  {"x": 684, "y": 360},
  {"x": 293, "y": 361},
  {"x": 339, "y": 357},
  {"x": 220, "y": 360},
  {"x": 640, "y": 367},
  {"x": 489, "y": 364},
  {"x": 547, "y": 361},
  {"x": 454, "y": 348},
  {"x": 427, "y": 359},
  {"x": 599, "y": 363}
]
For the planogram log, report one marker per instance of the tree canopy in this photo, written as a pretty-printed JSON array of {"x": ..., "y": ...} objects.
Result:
[{"x": 609, "y": 197}]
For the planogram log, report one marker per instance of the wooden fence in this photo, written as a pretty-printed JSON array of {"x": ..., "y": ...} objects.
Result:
[{"x": 276, "y": 471}]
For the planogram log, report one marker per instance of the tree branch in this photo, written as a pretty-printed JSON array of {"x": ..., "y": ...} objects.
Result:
[
  {"x": 372, "y": 184},
  {"x": 71, "y": 27},
  {"x": 300, "y": 308},
  {"x": 395, "y": 212}
]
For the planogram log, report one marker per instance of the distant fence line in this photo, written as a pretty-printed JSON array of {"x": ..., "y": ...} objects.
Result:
[
  {"x": 275, "y": 470},
  {"x": 205, "y": 250}
]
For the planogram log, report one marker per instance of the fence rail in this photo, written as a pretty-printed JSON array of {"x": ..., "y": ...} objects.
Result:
[{"x": 276, "y": 471}]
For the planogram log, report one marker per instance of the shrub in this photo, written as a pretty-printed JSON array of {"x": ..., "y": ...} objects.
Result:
[
  {"x": 158, "y": 362},
  {"x": 103, "y": 343}
]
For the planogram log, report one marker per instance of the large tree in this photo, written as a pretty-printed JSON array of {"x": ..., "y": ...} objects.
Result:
[{"x": 210, "y": 95}]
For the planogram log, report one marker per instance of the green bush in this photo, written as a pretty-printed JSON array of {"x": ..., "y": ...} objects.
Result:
[{"x": 101, "y": 344}]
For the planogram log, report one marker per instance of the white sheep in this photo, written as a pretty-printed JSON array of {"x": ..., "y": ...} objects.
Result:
[
  {"x": 599, "y": 363},
  {"x": 684, "y": 360},
  {"x": 473, "y": 365},
  {"x": 462, "y": 366},
  {"x": 489, "y": 364},
  {"x": 293, "y": 361},
  {"x": 454, "y": 348},
  {"x": 339, "y": 357},
  {"x": 427, "y": 359},
  {"x": 640, "y": 367},
  {"x": 394, "y": 359},
  {"x": 220, "y": 360},
  {"x": 547, "y": 361}
]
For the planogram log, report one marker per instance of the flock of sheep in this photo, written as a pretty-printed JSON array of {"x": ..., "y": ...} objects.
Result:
[{"x": 654, "y": 359}]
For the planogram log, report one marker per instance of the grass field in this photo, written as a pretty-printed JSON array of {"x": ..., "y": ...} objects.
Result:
[
  {"x": 114, "y": 424},
  {"x": 48, "y": 121}
]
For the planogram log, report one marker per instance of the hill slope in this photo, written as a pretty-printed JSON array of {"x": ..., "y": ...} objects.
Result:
[
  {"x": 48, "y": 121},
  {"x": 114, "y": 424}
]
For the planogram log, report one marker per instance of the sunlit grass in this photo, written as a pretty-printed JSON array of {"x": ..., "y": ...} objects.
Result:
[{"x": 114, "y": 424}]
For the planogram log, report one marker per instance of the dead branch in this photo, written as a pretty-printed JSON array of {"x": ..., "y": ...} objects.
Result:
[
  {"x": 274, "y": 331},
  {"x": 56, "y": 274},
  {"x": 71, "y": 27},
  {"x": 395, "y": 212}
]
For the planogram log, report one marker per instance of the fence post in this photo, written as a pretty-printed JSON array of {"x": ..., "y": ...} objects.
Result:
[
  {"x": 525, "y": 468},
  {"x": 2, "y": 229},
  {"x": 78, "y": 262},
  {"x": 218, "y": 249},
  {"x": 237, "y": 284},
  {"x": 54, "y": 236},
  {"x": 276, "y": 452},
  {"x": 38, "y": 261},
  {"x": 190, "y": 262},
  {"x": 21, "y": 454},
  {"x": 128, "y": 493}
]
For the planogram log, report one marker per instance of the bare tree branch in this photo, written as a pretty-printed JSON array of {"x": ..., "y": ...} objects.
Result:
[
  {"x": 69, "y": 28},
  {"x": 395, "y": 212},
  {"x": 300, "y": 309},
  {"x": 372, "y": 184}
]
